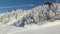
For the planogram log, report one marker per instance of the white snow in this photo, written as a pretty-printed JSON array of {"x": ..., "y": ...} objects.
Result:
[{"x": 19, "y": 30}]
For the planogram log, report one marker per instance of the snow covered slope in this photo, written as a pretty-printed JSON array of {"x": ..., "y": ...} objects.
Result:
[
  {"x": 37, "y": 19},
  {"x": 48, "y": 28}
]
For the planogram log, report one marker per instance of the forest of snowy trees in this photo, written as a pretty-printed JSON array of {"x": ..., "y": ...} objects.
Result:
[{"x": 37, "y": 15}]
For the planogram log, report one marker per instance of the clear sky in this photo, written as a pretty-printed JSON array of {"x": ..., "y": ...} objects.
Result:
[{"x": 22, "y": 4}]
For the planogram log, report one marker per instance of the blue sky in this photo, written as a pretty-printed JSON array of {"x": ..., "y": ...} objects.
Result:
[{"x": 19, "y": 3}]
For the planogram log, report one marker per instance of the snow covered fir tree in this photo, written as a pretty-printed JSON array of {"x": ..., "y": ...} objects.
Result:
[{"x": 48, "y": 12}]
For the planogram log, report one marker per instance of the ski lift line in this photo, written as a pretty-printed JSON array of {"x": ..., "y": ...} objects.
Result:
[{"x": 16, "y": 6}]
